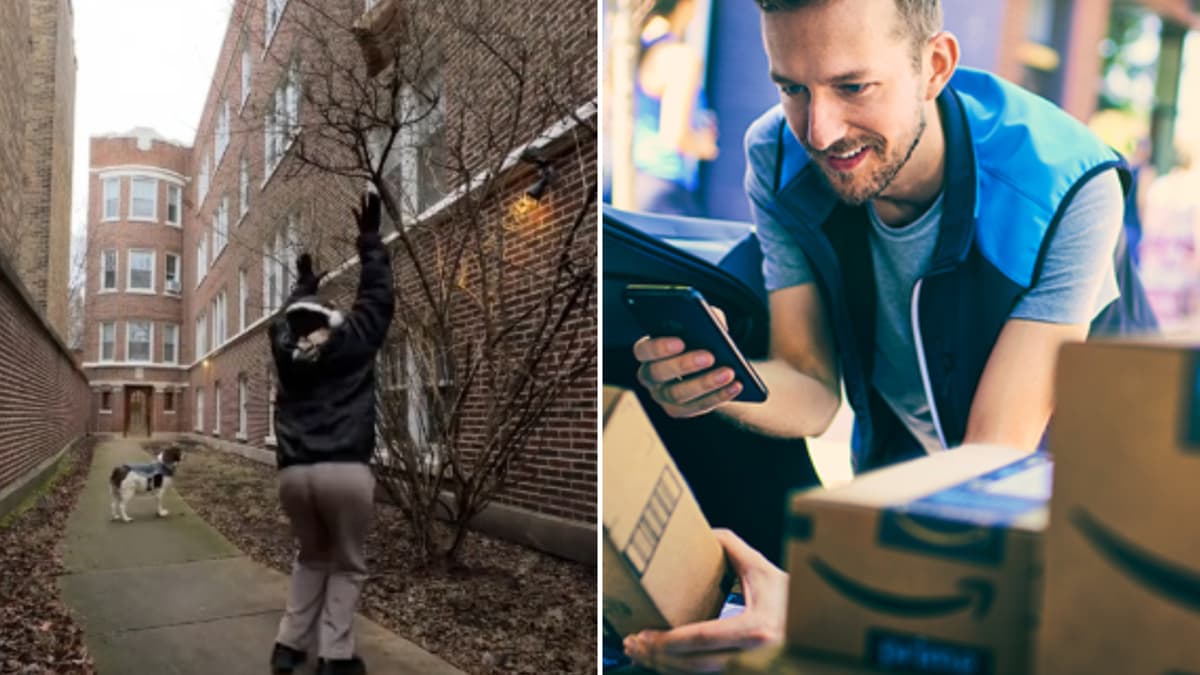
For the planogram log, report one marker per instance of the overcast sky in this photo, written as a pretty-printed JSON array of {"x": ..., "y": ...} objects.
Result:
[{"x": 141, "y": 63}]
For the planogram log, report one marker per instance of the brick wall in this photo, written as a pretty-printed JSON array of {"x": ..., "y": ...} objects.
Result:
[
  {"x": 43, "y": 393},
  {"x": 560, "y": 477},
  {"x": 44, "y": 258}
]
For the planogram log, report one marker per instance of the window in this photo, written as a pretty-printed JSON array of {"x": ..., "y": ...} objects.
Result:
[
  {"x": 172, "y": 278},
  {"x": 143, "y": 202},
  {"x": 174, "y": 205},
  {"x": 218, "y": 319},
  {"x": 202, "y": 183},
  {"x": 221, "y": 132},
  {"x": 106, "y": 401},
  {"x": 278, "y": 263},
  {"x": 108, "y": 270},
  {"x": 217, "y": 408},
  {"x": 170, "y": 352},
  {"x": 243, "y": 299},
  {"x": 108, "y": 341},
  {"x": 112, "y": 198},
  {"x": 168, "y": 401},
  {"x": 414, "y": 161},
  {"x": 141, "y": 271},
  {"x": 201, "y": 336},
  {"x": 246, "y": 68},
  {"x": 283, "y": 118},
  {"x": 369, "y": 4},
  {"x": 244, "y": 188},
  {"x": 415, "y": 382},
  {"x": 242, "y": 390},
  {"x": 271, "y": 414},
  {"x": 202, "y": 258},
  {"x": 274, "y": 15},
  {"x": 221, "y": 227},
  {"x": 199, "y": 424},
  {"x": 138, "y": 338}
]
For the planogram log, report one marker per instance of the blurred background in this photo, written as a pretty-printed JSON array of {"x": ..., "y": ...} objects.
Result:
[{"x": 683, "y": 79}]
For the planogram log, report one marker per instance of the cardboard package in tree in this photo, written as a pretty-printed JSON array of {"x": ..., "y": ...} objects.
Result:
[
  {"x": 1122, "y": 577},
  {"x": 662, "y": 565},
  {"x": 926, "y": 566},
  {"x": 779, "y": 661}
]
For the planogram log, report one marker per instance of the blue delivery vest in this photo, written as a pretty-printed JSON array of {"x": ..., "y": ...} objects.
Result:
[{"x": 1013, "y": 163}]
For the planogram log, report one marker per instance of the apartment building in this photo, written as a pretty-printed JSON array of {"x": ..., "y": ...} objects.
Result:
[
  {"x": 134, "y": 296},
  {"x": 257, "y": 188}
]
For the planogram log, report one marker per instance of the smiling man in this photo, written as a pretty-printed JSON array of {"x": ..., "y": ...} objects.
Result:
[{"x": 931, "y": 236}]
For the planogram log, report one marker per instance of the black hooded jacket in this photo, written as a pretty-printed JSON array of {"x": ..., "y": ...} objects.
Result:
[{"x": 325, "y": 402}]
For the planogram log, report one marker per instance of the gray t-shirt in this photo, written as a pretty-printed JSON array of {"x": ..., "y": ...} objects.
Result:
[{"x": 1078, "y": 281}]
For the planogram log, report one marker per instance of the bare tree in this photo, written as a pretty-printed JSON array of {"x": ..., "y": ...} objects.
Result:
[
  {"x": 495, "y": 294},
  {"x": 76, "y": 291}
]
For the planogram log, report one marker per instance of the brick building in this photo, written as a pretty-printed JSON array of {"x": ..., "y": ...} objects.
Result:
[
  {"x": 254, "y": 198},
  {"x": 37, "y": 107},
  {"x": 134, "y": 295},
  {"x": 45, "y": 248}
]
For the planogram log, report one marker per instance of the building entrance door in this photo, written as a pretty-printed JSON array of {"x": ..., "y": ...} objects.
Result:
[{"x": 137, "y": 410}]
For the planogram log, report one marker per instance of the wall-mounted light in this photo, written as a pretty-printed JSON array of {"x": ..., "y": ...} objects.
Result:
[{"x": 545, "y": 175}]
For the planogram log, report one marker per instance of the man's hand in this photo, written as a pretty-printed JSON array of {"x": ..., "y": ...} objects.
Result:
[
  {"x": 707, "y": 647},
  {"x": 682, "y": 383},
  {"x": 368, "y": 214},
  {"x": 306, "y": 281}
]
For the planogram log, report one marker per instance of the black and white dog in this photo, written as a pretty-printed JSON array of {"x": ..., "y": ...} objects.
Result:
[{"x": 128, "y": 480}]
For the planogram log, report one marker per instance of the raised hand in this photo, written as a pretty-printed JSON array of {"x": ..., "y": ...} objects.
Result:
[
  {"x": 306, "y": 280},
  {"x": 368, "y": 213}
]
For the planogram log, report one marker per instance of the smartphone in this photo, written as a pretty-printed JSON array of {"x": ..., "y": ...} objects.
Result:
[{"x": 682, "y": 312}]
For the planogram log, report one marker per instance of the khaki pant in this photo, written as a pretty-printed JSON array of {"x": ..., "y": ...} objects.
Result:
[{"x": 330, "y": 506}]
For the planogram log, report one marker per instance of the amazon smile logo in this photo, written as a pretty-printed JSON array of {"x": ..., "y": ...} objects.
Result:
[
  {"x": 1173, "y": 581},
  {"x": 974, "y": 592}
]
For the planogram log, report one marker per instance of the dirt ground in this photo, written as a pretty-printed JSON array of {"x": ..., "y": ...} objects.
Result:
[
  {"x": 510, "y": 610},
  {"x": 38, "y": 634}
]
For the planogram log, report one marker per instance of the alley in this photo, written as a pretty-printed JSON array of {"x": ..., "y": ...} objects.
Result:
[{"x": 171, "y": 595}]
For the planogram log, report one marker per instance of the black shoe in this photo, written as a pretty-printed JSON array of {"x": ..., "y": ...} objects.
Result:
[
  {"x": 351, "y": 666},
  {"x": 284, "y": 659}
]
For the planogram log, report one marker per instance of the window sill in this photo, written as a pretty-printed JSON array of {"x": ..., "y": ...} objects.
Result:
[
  {"x": 216, "y": 433},
  {"x": 105, "y": 412},
  {"x": 106, "y": 291},
  {"x": 143, "y": 220},
  {"x": 241, "y": 437},
  {"x": 178, "y": 226},
  {"x": 113, "y": 219},
  {"x": 168, "y": 412},
  {"x": 271, "y": 441},
  {"x": 141, "y": 291}
]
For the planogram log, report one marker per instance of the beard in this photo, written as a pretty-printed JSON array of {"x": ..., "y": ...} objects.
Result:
[{"x": 852, "y": 188}]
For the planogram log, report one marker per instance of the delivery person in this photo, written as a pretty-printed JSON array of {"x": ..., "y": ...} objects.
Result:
[{"x": 931, "y": 236}]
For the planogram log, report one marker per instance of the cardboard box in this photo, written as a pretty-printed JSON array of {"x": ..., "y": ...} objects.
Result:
[
  {"x": 779, "y": 661},
  {"x": 1123, "y": 547},
  {"x": 927, "y": 566},
  {"x": 662, "y": 565}
]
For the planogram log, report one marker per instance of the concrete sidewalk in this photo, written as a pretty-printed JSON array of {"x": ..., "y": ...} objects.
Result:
[{"x": 171, "y": 595}]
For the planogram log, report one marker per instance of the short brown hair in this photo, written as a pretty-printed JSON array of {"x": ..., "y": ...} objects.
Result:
[{"x": 920, "y": 18}]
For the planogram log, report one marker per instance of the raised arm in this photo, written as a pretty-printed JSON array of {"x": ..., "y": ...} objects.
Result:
[{"x": 375, "y": 303}]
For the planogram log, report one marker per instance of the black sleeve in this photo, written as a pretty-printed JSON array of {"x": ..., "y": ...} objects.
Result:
[
  {"x": 280, "y": 336},
  {"x": 372, "y": 313}
]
